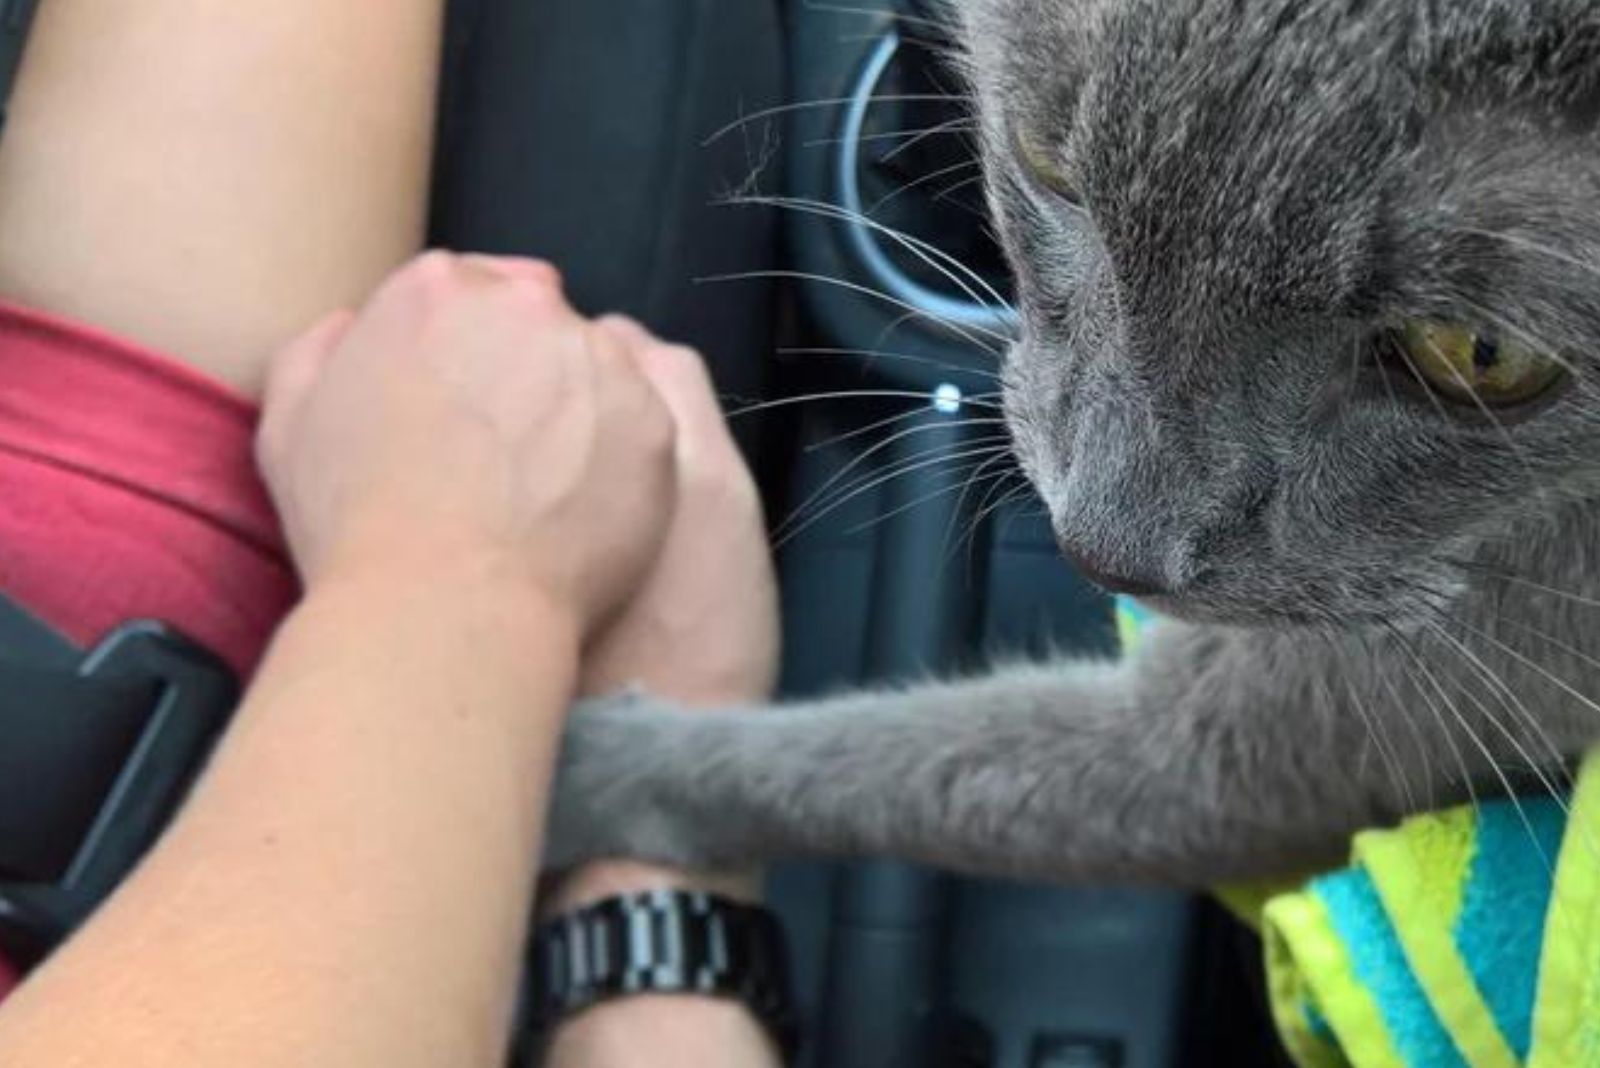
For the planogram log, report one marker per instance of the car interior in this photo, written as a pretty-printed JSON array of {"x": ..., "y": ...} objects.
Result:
[{"x": 792, "y": 187}]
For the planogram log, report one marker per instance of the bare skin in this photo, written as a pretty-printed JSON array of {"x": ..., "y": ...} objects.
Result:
[
  {"x": 703, "y": 628},
  {"x": 208, "y": 178},
  {"x": 437, "y": 646},
  {"x": 205, "y": 179},
  {"x": 389, "y": 762}
]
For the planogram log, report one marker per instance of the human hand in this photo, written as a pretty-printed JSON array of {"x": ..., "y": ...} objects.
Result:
[
  {"x": 703, "y": 629},
  {"x": 467, "y": 419}
]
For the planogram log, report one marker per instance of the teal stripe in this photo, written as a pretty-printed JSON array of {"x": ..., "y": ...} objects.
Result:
[
  {"x": 1501, "y": 927},
  {"x": 1135, "y": 611},
  {"x": 1379, "y": 964}
]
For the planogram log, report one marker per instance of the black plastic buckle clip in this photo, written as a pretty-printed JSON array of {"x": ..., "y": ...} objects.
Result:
[{"x": 196, "y": 695}]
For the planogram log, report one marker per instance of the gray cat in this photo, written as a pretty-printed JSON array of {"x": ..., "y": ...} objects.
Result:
[{"x": 1311, "y": 296}]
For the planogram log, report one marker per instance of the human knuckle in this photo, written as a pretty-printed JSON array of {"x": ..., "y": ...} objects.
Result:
[
  {"x": 724, "y": 485},
  {"x": 659, "y": 428},
  {"x": 431, "y": 268},
  {"x": 536, "y": 272},
  {"x": 429, "y": 280},
  {"x": 528, "y": 282},
  {"x": 680, "y": 360}
]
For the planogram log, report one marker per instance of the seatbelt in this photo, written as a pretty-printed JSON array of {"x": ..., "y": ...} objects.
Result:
[{"x": 97, "y": 751}]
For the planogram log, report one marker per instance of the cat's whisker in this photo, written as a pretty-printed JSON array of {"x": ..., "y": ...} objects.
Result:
[
  {"x": 878, "y": 481},
  {"x": 1389, "y": 753},
  {"x": 1375, "y": 732},
  {"x": 1537, "y": 667},
  {"x": 918, "y": 183},
  {"x": 1518, "y": 580},
  {"x": 1513, "y": 704},
  {"x": 1530, "y": 245},
  {"x": 968, "y": 333},
  {"x": 994, "y": 443},
  {"x": 955, "y": 187},
  {"x": 1591, "y": 842},
  {"x": 928, "y": 498},
  {"x": 1488, "y": 413},
  {"x": 927, "y": 252},
  {"x": 985, "y": 509},
  {"x": 1575, "y": 821},
  {"x": 778, "y": 110},
  {"x": 881, "y": 354},
  {"x": 910, "y": 134},
  {"x": 889, "y": 331},
  {"x": 1422, "y": 383},
  {"x": 911, "y": 37},
  {"x": 1408, "y": 715},
  {"x": 866, "y": 456},
  {"x": 1445, "y": 732},
  {"x": 961, "y": 124},
  {"x": 865, "y": 431},
  {"x": 991, "y": 482},
  {"x": 1488, "y": 756},
  {"x": 971, "y": 283},
  {"x": 978, "y": 401},
  {"x": 1501, "y": 323},
  {"x": 878, "y": 13}
]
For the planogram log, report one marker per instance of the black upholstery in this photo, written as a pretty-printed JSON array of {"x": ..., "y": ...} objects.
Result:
[{"x": 574, "y": 131}]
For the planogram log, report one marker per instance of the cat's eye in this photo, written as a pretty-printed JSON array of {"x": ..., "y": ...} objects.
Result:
[
  {"x": 1476, "y": 367},
  {"x": 1044, "y": 166}
]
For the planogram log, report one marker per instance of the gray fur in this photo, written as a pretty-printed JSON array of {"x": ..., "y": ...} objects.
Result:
[{"x": 1381, "y": 605}]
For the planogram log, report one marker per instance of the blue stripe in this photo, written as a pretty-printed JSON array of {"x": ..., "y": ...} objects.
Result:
[
  {"x": 1501, "y": 927},
  {"x": 1379, "y": 964}
]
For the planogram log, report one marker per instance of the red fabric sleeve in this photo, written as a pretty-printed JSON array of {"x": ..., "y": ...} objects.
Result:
[{"x": 128, "y": 490}]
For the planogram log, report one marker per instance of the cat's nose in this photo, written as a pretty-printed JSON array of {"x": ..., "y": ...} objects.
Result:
[{"x": 1106, "y": 579}]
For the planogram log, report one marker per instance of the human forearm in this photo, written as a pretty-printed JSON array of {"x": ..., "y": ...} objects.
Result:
[
  {"x": 350, "y": 882},
  {"x": 663, "y": 1032},
  {"x": 704, "y": 630}
]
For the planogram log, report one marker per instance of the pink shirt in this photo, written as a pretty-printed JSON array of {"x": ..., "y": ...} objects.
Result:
[{"x": 128, "y": 490}]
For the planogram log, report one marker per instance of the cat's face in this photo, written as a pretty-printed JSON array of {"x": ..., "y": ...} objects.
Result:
[{"x": 1246, "y": 234}]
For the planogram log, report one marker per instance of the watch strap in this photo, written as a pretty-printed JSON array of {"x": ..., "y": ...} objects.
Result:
[{"x": 662, "y": 942}]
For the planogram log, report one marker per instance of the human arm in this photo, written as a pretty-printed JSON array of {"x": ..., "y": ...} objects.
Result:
[
  {"x": 349, "y": 883},
  {"x": 703, "y": 630}
]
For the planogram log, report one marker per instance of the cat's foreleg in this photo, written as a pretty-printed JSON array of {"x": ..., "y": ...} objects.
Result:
[{"x": 1214, "y": 755}]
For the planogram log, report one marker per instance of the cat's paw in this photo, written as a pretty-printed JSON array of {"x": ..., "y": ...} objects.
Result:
[{"x": 615, "y": 772}]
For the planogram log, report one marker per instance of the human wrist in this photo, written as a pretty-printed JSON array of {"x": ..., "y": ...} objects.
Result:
[
  {"x": 454, "y": 589},
  {"x": 602, "y": 879},
  {"x": 710, "y": 987},
  {"x": 670, "y": 1031},
  {"x": 453, "y": 634}
]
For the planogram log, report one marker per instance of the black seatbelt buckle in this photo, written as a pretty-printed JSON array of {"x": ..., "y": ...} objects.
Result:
[{"x": 195, "y": 695}]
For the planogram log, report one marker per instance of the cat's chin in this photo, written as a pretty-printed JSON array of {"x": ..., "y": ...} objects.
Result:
[
  {"x": 1278, "y": 618},
  {"x": 1191, "y": 610}
]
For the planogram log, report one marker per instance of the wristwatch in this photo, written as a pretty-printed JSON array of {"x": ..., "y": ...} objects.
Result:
[{"x": 661, "y": 942}]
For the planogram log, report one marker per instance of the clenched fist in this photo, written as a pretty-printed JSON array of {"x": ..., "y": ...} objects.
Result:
[{"x": 469, "y": 418}]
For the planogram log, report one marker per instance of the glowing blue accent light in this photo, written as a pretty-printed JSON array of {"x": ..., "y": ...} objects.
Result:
[{"x": 947, "y": 399}]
